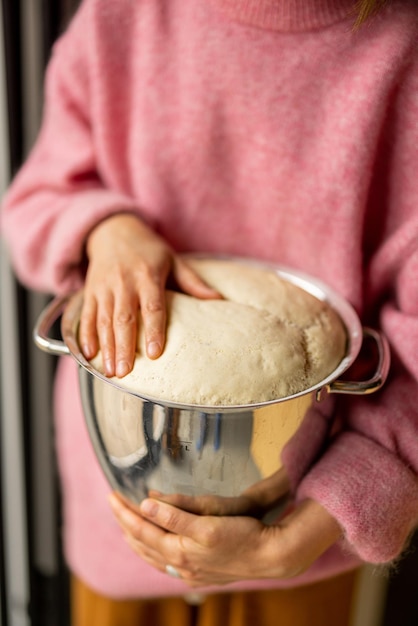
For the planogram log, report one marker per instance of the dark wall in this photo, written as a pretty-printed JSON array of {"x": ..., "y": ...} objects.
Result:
[{"x": 48, "y": 603}]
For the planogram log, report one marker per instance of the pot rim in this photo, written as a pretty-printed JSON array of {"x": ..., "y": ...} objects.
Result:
[{"x": 311, "y": 285}]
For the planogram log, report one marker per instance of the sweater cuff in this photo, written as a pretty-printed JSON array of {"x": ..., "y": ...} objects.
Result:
[{"x": 370, "y": 492}]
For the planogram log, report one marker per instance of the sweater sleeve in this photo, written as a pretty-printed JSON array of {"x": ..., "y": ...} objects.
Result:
[
  {"x": 367, "y": 475},
  {"x": 58, "y": 195}
]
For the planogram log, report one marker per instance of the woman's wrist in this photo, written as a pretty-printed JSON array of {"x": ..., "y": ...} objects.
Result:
[
  {"x": 112, "y": 226},
  {"x": 306, "y": 533}
]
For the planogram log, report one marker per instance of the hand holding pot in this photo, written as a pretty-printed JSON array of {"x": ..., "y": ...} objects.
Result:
[
  {"x": 128, "y": 268},
  {"x": 217, "y": 550}
]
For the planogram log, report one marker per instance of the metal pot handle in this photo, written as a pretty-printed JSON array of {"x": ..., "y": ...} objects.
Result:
[
  {"x": 377, "y": 380},
  {"x": 43, "y": 326}
]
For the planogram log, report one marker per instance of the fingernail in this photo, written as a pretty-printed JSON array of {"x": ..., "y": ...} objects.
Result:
[
  {"x": 122, "y": 368},
  {"x": 87, "y": 351},
  {"x": 108, "y": 367},
  {"x": 153, "y": 349},
  {"x": 149, "y": 507}
]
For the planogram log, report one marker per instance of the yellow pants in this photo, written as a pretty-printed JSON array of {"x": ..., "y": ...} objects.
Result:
[{"x": 327, "y": 603}]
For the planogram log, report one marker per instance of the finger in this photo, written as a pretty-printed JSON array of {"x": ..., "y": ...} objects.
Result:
[
  {"x": 154, "y": 316},
  {"x": 268, "y": 493},
  {"x": 174, "y": 520},
  {"x": 198, "y": 505},
  {"x": 207, "y": 504},
  {"x": 150, "y": 556},
  {"x": 148, "y": 540},
  {"x": 191, "y": 283},
  {"x": 134, "y": 524},
  {"x": 156, "y": 560},
  {"x": 125, "y": 331},
  {"x": 88, "y": 338},
  {"x": 148, "y": 537},
  {"x": 105, "y": 333}
]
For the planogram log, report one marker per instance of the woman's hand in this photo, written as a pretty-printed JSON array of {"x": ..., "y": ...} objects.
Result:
[
  {"x": 128, "y": 268},
  {"x": 217, "y": 550}
]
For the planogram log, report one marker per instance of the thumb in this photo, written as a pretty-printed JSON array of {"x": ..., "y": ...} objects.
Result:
[
  {"x": 171, "y": 518},
  {"x": 191, "y": 283}
]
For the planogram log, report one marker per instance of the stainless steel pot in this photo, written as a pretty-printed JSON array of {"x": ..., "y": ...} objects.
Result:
[{"x": 145, "y": 444}]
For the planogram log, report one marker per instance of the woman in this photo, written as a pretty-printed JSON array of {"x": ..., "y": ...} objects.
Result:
[{"x": 275, "y": 129}]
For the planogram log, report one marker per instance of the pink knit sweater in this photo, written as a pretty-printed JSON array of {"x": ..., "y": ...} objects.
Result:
[{"x": 266, "y": 128}]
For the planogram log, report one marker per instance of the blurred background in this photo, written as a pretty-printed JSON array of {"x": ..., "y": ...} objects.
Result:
[{"x": 33, "y": 577}]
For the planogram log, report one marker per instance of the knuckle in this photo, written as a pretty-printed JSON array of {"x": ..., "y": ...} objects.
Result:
[
  {"x": 154, "y": 305},
  {"x": 182, "y": 562},
  {"x": 104, "y": 321},
  {"x": 124, "y": 318},
  {"x": 210, "y": 534}
]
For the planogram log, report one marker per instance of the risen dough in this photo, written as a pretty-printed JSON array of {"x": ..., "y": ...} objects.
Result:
[{"x": 267, "y": 339}]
